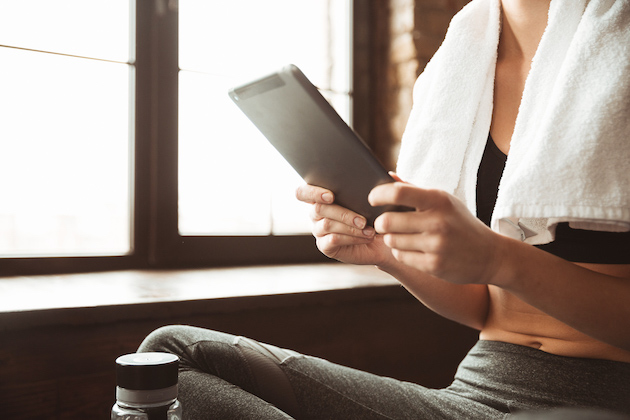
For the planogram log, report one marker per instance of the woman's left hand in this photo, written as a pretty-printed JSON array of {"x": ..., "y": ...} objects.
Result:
[{"x": 441, "y": 237}]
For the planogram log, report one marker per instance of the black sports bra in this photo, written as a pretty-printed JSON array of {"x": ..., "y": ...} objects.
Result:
[{"x": 575, "y": 245}]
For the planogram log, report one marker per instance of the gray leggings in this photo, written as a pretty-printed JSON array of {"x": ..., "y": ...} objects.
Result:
[{"x": 227, "y": 377}]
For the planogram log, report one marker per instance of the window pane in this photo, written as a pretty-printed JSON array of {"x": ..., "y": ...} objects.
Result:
[
  {"x": 92, "y": 28},
  {"x": 231, "y": 180},
  {"x": 64, "y": 155},
  {"x": 229, "y": 175}
]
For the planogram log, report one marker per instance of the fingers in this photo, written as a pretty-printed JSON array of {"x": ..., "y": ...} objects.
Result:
[
  {"x": 312, "y": 194},
  {"x": 408, "y": 233},
  {"x": 419, "y": 242},
  {"x": 412, "y": 222},
  {"x": 326, "y": 226},
  {"x": 423, "y": 250},
  {"x": 330, "y": 218},
  {"x": 341, "y": 214},
  {"x": 400, "y": 193},
  {"x": 331, "y": 243}
]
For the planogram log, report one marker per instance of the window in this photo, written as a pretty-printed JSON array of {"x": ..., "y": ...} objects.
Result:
[
  {"x": 64, "y": 129},
  {"x": 222, "y": 157},
  {"x": 119, "y": 148}
]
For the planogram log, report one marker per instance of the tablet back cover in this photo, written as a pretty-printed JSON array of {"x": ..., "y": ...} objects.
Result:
[{"x": 298, "y": 121}]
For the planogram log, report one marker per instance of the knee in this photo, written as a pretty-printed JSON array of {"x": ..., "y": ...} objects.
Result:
[{"x": 164, "y": 339}]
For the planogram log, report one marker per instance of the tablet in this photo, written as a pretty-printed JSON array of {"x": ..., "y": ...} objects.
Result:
[{"x": 306, "y": 130}]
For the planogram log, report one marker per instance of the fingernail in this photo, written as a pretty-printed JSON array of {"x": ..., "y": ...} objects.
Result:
[
  {"x": 327, "y": 197},
  {"x": 359, "y": 222},
  {"x": 368, "y": 231}
]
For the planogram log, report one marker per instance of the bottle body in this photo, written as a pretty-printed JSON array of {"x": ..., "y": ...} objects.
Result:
[{"x": 172, "y": 411}]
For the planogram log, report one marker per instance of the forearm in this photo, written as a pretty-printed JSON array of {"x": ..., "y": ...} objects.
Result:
[
  {"x": 594, "y": 303},
  {"x": 466, "y": 304}
]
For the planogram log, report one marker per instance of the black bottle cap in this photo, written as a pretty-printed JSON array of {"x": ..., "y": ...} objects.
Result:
[{"x": 146, "y": 371}]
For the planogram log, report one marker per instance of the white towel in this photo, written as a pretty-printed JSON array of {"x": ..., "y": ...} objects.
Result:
[{"x": 569, "y": 157}]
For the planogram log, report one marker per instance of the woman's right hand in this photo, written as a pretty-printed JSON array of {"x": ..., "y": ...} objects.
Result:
[{"x": 341, "y": 233}]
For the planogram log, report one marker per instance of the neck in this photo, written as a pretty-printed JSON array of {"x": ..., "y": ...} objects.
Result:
[{"x": 523, "y": 24}]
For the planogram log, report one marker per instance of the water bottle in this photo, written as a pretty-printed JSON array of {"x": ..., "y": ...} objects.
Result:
[{"x": 146, "y": 387}]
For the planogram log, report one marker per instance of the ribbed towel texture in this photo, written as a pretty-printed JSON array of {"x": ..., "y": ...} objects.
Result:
[{"x": 569, "y": 157}]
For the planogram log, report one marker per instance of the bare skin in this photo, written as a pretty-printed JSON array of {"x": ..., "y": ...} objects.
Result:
[
  {"x": 509, "y": 318},
  {"x": 459, "y": 268}
]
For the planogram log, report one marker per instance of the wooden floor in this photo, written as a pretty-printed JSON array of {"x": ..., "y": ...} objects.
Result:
[{"x": 58, "y": 362}]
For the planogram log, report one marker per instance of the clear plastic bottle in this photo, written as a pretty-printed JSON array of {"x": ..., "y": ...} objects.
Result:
[{"x": 146, "y": 387}]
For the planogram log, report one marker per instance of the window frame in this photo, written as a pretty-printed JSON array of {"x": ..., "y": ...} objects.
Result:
[{"x": 155, "y": 239}]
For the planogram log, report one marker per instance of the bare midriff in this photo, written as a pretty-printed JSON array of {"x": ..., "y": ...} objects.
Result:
[
  {"x": 509, "y": 318},
  {"x": 514, "y": 321}
]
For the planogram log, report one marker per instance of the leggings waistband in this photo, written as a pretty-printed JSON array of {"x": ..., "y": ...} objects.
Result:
[{"x": 520, "y": 375}]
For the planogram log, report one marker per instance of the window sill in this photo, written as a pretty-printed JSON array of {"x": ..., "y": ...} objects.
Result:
[{"x": 81, "y": 298}]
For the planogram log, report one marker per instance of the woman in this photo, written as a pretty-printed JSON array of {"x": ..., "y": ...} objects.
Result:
[{"x": 554, "y": 332}]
